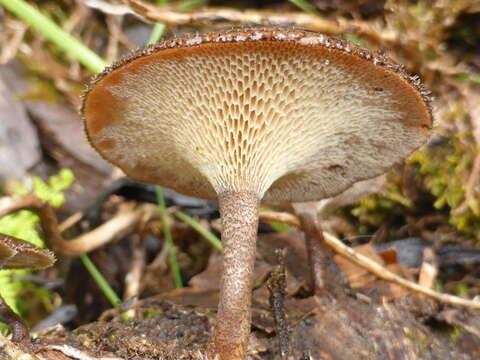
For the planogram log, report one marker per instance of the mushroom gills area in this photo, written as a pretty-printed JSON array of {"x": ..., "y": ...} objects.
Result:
[{"x": 280, "y": 119}]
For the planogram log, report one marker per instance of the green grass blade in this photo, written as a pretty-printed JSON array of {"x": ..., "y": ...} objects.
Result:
[
  {"x": 159, "y": 28},
  {"x": 305, "y": 6},
  {"x": 45, "y": 26},
  {"x": 168, "y": 238},
  {"x": 211, "y": 238},
  {"x": 157, "y": 33},
  {"x": 100, "y": 280},
  {"x": 191, "y": 4}
]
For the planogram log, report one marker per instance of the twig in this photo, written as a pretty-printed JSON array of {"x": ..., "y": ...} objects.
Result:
[
  {"x": 455, "y": 318},
  {"x": 9, "y": 46},
  {"x": 115, "y": 228},
  {"x": 108, "y": 8},
  {"x": 387, "y": 275},
  {"x": 134, "y": 276},
  {"x": 160, "y": 261},
  {"x": 77, "y": 17},
  {"x": 70, "y": 221},
  {"x": 211, "y": 15},
  {"x": 77, "y": 354},
  {"x": 284, "y": 217},
  {"x": 114, "y": 31}
]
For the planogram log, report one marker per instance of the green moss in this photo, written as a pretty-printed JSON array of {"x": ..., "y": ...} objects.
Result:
[
  {"x": 378, "y": 209},
  {"x": 455, "y": 333},
  {"x": 151, "y": 313},
  {"x": 445, "y": 169},
  {"x": 462, "y": 290},
  {"x": 52, "y": 192}
]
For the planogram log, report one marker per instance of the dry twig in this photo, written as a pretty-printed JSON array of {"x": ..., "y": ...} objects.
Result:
[
  {"x": 385, "y": 274},
  {"x": 380, "y": 271},
  {"x": 11, "y": 39},
  {"x": 208, "y": 16},
  {"x": 283, "y": 217},
  {"x": 117, "y": 227},
  {"x": 134, "y": 276},
  {"x": 77, "y": 354}
]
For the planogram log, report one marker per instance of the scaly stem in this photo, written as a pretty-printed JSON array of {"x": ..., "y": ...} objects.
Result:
[
  {"x": 239, "y": 212},
  {"x": 319, "y": 254}
]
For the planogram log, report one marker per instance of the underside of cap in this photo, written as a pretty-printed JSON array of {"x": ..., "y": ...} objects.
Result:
[
  {"x": 19, "y": 254},
  {"x": 291, "y": 115}
]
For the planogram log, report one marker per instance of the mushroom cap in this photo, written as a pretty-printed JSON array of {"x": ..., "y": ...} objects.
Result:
[
  {"x": 290, "y": 115},
  {"x": 19, "y": 254}
]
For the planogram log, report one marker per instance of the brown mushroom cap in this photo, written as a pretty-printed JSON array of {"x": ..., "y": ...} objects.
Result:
[
  {"x": 290, "y": 115},
  {"x": 19, "y": 254}
]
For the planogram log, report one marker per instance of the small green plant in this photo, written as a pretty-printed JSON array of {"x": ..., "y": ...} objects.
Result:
[
  {"x": 22, "y": 225},
  {"x": 172, "y": 258}
]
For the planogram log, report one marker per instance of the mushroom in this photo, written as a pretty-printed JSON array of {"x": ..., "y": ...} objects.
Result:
[
  {"x": 241, "y": 116},
  {"x": 19, "y": 254}
]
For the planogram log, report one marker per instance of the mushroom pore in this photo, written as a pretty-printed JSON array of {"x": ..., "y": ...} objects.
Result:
[{"x": 249, "y": 115}]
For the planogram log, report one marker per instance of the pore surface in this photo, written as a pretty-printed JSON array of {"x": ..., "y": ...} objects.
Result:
[{"x": 288, "y": 121}]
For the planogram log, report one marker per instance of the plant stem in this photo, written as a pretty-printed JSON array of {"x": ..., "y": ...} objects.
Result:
[
  {"x": 157, "y": 33},
  {"x": 168, "y": 238},
  {"x": 159, "y": 27},
  {"x": 305, "y": 6},
  {"x": 100, "y": 280},
  {"x": 211, "y": 238},
  {"x": 40, "y": 22},
  {"x": 191, "y": 4}
]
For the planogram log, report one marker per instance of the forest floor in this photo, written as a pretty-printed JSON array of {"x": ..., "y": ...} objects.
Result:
[{"x": 429, "y": 205}]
